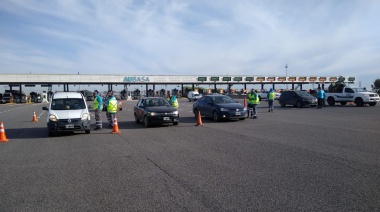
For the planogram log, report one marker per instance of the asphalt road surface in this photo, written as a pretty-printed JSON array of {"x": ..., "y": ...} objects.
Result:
[{"x": 294, "y": 159}]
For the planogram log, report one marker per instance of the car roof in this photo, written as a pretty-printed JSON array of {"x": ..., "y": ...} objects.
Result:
[{"x": 63, "y": 95}]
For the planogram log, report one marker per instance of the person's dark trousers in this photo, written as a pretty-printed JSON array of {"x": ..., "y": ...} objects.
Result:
[
  {"x": 319, "y": 103},
  {"x": 270, "y": 104}
]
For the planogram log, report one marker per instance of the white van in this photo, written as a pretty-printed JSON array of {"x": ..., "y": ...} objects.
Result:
[
  {"x": 68, "y": 111},
  {"x": 193, "y": 96}
]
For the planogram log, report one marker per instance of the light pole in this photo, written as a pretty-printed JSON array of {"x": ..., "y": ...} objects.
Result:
[{"x": 286, "y": 69}]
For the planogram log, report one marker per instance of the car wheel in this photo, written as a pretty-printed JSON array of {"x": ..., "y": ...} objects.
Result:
[
  {"x": 51, "y": 134},
  {"x": 175, "y": 123},
  {"x": 137, "y": 120},
  {"x": 242, "y": 118},
  {"x": 282, "y": 103},
  {"x": 331, "y": 101},
  {"x": 372, "y": 103},
  {"x": 359, "y": 102},
  {"x": 87, "y": 131},
  {"x": 299, "y": 104},
  {"x": 146, "y": 122},
  {"x": 215, "y": 116}
]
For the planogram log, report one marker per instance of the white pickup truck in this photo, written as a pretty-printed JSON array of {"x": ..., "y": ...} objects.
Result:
[{"x": 360, "y": 96}]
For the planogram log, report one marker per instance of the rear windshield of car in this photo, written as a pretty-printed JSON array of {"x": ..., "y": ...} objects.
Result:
[
  {"x": 222, "y": 99},
  {"x": 68, "y": 104}
]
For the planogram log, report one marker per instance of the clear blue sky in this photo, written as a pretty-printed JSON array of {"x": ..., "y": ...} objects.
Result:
[{"x": 192, "y": 37}]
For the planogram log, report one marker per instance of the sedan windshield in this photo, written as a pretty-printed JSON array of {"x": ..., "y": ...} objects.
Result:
[
  {"x": 157, "y": 102},
  {"x": 222, "y": 99}
]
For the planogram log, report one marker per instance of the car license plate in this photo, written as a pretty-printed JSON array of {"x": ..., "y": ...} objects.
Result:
[
  {"x": 237, "y": 113},
  {"x": 166, "y": 118},
  {"x": 69, "y": 126}
]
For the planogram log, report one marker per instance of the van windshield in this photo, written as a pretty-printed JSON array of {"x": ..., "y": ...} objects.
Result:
[{"x": 68, "y": 104}]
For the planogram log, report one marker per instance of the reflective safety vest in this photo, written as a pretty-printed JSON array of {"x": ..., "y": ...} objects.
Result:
[
  {"x": 112, "y": 106},
  {"x": 253, "y": 99},
  {"x": 175, "y": 103},
  {"x": 271, "y": 96},
  {"x": 96, "y": 103}
]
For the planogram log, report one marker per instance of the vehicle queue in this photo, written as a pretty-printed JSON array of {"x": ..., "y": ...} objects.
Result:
[{"x": 68, "y": 111}]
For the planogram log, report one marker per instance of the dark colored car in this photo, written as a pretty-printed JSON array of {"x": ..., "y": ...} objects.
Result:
[
  {"x": 297, "y": 98},
  {"x": 219, "y": 107},
  {"x": 155, "y": 110}
]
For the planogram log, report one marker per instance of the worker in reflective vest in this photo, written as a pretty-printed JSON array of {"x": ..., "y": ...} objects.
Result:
[
  {"x": 173, "y": 101},
  {"x": 98, "y": 107},
  {"x": 253, "y": 101},
  {"x": 112, "y": 108},
  {"x": 270, "y": 98}
]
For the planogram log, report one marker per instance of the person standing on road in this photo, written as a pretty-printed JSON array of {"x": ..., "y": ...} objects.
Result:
[
  {"x": 323, "y": 98},
  {"x": 320, "y": 97},
  {"x": 253, "y": 101},
  {"x": 173, "y": 101},
  {"x": 112, "y": 108},
  {"x": 98, "y": 107},
  {"x": 270, "y": 99}
]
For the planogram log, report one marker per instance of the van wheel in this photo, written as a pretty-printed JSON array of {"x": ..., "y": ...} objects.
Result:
[
  {"x": 87, "y": 131},
  {"x": 372, "y": 103}
]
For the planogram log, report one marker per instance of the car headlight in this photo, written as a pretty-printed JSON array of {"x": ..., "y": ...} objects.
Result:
[
  {"x": 52, "y": 117},
  {"x": 245, "y": 108},
  {"x": 152, "y": 113},
  {"x": 175, "y": 112},
  {"x": 224, "y": 109},
  {"x": 84, "y": 116}
]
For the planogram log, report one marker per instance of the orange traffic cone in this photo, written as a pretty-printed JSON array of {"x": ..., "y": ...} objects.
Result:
[
  {"x": 115, "y": 129},
  {"x": 199, "y": 120},
  {"x": 3, "y": 138},
  {"x": 245, "y": 101},
  {"x": 34, "y": 117}
]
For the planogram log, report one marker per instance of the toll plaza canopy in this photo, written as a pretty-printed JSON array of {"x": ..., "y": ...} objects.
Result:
[{"x": 50, "y": 79}]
